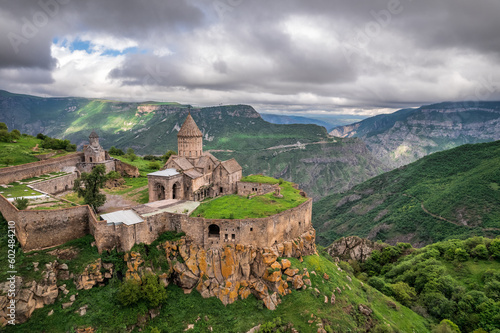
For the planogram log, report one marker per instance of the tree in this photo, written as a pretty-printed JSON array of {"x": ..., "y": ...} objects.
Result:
[
  {"x": 5, "y": 136},
  {"x": 115, "y": 151},
  {"x": 41, "y": 136},
  {"x": 446, "y": 326},
  {"x": 92, "y": 182},
  {"x": 168, "y": 154},
  {"x": 15, "y": 134},
  {"x": 3, "y": 126},
  {"x": 131, "y": 154},
  {"x": 461, "y": 254},
  {"x": 21, "y": 203}
]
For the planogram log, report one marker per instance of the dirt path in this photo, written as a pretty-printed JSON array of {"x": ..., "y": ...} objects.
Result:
[{"x": 445, "y": 219}]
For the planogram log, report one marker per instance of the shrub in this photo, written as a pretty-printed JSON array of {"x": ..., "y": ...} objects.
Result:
[
  {"x": 41, "y": 136},
  {"x": 154, "y": 165},
  {"x": 113, "y": 175},
  {"x": 21, "y": 203},
  {"x": 5, "y": 136},
  {"x": 480, "y": 252},
  {"x": 405, "y": 294},
  {"x": 152, "y": 291},
  {"x": 461, "y": 254},
  {"x": 168, "y": 154},
  {"x": 130, "y": 292}
]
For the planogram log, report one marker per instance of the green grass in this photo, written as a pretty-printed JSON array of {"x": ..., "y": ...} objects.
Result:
[
  {"x": 17, "y": 190},
  {"x": 259, "y": 179},
  {"x": 140, "y": 163},
  {"x": 239, "y": 207},
  {"x": 20, "y": 152}
]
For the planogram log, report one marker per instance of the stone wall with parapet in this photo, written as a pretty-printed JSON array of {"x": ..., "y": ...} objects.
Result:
[
  {"x": 255, "y": 188},
  {"x": 259, "y": 232},
  {"x": 56, "y": 185},
  {"x": 35, "y": 169},
  {"x": 39, "y": 229}
]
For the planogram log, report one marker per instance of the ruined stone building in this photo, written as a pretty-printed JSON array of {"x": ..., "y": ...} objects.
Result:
[
  {"x": 94, "y": 155},
  {"x": 193, "y": 174}
]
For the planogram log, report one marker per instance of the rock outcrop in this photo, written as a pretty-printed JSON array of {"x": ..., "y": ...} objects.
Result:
[
  {"x": 233, "y": 271},
  {"x": 353, "y": 248},
  {"x": 31, "y": 295}
]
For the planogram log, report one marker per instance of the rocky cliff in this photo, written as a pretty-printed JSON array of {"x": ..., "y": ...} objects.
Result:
[
  {"x": 407, "y": 135},
  {"x": 233, "y": 271},
  {"x": 353, "y": 248}
]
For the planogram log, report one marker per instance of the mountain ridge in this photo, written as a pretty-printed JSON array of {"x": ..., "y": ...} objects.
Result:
[{"x": 409, "y": 134}]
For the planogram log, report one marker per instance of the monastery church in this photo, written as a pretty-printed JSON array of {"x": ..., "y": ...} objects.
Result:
[{"x": 193, "y": 174}]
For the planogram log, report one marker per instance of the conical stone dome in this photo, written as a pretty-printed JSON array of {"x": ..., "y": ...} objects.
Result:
[{"x": 189, "y": 128}]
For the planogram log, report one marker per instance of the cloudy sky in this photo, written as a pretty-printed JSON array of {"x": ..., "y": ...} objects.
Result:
[{"x": 287, "y": 56}]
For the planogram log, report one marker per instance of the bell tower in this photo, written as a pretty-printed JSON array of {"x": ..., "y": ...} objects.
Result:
[{"x": 190, "y": 139}]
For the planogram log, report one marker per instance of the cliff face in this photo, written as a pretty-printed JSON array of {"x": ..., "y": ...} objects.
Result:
[
  {"x": 233, "y": 271},
  {"x": 353, "y": 248},
  {"x": 407, "y": 135},
  {"x": 319, "y": 169}
]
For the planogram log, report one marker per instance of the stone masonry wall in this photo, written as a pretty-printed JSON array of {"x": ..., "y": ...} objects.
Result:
[
  {"x": 56, "y": 185},
  {"x": 259, "y": 232},
  {"x": 8, "y": 210},
  {"x": 255, "y": 188},
  {"x": 46, "y": 228},
  {"x": 18, "y": 172}
]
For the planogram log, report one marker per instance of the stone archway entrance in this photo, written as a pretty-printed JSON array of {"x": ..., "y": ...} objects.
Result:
[
  {"x": 213, "y": 231},
  {"x": 160, "y": 192},
  {"x": 175, "y": 191}
]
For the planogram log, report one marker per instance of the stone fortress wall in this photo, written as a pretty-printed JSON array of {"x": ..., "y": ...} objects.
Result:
[
  {"x": 35, "y": 169},
  {"x": 209, "y": 233},
  {"x": 39, "y": 229}
]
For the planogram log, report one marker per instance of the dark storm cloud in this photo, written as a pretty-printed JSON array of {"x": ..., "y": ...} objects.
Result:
[{"x": 377, "y": 53}]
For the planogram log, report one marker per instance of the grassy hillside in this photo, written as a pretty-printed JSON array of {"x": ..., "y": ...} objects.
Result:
[
  {"x": 304, "y": 309},
  {"x": 455, "y": 280},
  {"x": 24, "y": 150},
  {"x": 450, "y": 194}
]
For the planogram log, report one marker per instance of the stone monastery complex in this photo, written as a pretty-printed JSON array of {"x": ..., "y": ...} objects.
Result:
[{"x": 174, "y": 193}]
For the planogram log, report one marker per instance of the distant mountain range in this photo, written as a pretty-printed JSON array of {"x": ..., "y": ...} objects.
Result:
[
  {"x": 409, "y": 134},
  {"x": 302, "y": 153},
  {"x": 449, "y": 194}
]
